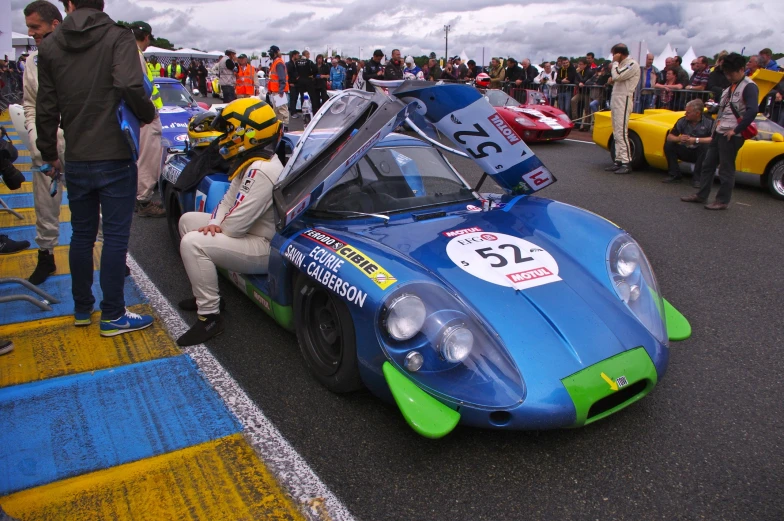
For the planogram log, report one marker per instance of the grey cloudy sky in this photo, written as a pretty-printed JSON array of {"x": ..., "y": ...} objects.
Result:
[{"x": 534, "y": 29}]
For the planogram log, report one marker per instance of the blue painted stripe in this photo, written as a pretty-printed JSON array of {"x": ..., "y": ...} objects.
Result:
[
  {"x": 23, "y": 159},
  {"x": 25, "y": 200},
  {"x": 63, "y": 427},
  {"x": 59, "y": 286},
  {"x": 27, "y": 233}
]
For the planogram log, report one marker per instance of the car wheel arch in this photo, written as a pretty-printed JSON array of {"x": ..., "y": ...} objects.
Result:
[{"x": 774, "y": 186}]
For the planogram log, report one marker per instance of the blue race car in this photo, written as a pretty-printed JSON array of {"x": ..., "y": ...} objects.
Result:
[
  {"x": 178, "y": 108},
  {"x": 498, "y": 311}
]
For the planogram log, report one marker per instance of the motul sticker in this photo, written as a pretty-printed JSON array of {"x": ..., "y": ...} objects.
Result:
[
  {"x": 503, "y": 259},
  {"x": 455, "y": 233},
  {"x": 473, "y": 208}
]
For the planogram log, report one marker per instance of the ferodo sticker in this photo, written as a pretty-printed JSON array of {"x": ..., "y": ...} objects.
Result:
[
  {"x": 370, "y": 268},
  {"x": 503, "y": 259}
]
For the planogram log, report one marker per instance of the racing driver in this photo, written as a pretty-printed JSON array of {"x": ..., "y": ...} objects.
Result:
[{"x": 237, "y": 235}]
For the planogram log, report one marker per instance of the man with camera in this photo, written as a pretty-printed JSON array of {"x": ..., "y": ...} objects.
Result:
[{"x": 41, "y": 18}]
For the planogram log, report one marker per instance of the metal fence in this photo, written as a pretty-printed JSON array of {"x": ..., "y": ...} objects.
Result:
[
  {"x": 10, "y": 88},
  {"x": 580, "y": 102}
]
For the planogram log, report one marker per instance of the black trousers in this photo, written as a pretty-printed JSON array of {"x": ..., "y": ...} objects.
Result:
[
  {"x": 228, "y": 92},
  {"x": 722, "y": 153},
  {"x": 320, "y": 97},
  {"x": 675, "y": 151}
]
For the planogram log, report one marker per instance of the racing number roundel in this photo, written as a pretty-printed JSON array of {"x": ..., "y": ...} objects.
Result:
[{"x": 503, "y": 259}]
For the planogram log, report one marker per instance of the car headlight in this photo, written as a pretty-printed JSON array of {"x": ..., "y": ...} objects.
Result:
[
  {"x": 448, "y": 350},
  {"x": 525, "y": 122},
  {"x": 456, "y": 344},
  {"x": 405, "y": 317},
  {"x": 564, "y": 117},
  {"x": 635, "y": 284}
]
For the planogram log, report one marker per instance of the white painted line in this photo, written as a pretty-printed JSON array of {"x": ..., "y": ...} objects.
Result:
[
  {"x": 580, "y": 141},
  {"x": 290, "y": 469},
  {"x": 743, "y": 204}
]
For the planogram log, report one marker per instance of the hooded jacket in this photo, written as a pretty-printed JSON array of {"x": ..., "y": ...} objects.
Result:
[{"x": 85, "y": 67}]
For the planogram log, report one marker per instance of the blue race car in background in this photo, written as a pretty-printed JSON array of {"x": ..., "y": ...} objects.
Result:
[
  {"x": 178, "y": 108},
  {"x": 500, "y": 311}
]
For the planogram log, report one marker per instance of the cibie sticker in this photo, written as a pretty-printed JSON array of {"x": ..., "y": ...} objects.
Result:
[
  {"x": 503, "y": 259},
  {"x": 473, "y": 208}
]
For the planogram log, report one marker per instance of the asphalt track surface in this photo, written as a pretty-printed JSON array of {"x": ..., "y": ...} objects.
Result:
[{"x": 706, "y": 444}]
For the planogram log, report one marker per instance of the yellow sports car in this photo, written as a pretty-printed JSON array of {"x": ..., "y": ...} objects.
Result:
[{"x": 763, "y": 155}]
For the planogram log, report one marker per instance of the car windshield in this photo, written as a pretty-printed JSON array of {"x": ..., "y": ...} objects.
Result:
[
  {"x": 766, "y": 128},
  {"x": 500, "y": 98},
  {"x": 175, "y": 95},
  {"x": 393, "y": 179}
]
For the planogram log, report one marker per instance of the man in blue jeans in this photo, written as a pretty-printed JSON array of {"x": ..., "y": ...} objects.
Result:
[{"x": 84, "y": 70}]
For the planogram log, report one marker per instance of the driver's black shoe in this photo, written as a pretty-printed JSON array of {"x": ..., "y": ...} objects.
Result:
[
  {"x": 615, "y": 166},
  {"x": 189, "y": 304},
  {"x": 624, "y": 169},
  {"x": 208, "y": 326},
  {"x": 673, "y": 179}
]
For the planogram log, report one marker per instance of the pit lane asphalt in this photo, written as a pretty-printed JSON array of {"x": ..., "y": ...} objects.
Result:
[{"x": 706, "y": 444}]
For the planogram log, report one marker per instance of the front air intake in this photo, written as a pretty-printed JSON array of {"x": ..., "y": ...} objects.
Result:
[{"x": 617, "y": 400}]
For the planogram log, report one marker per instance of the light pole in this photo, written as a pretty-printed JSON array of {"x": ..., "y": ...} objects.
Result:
[{"x": 446, "y": 49}]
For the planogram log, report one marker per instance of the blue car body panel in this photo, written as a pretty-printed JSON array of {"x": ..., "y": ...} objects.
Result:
[{"x": 174, "y": 119}]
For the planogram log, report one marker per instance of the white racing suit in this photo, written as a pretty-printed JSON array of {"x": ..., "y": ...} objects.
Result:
[
  {"x": 625, "y": 77},
  {"x": 246, "y": 217},
  {"x": 47, "y": 208}
]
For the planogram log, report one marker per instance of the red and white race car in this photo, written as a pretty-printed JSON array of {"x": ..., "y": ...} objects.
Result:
[{"x": 533, "y": 121}]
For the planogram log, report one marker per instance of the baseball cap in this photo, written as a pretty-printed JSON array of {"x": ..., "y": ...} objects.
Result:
[
  {"x": 273, "y": 48},
  {"x": 143, "y": 26},
  {"x": 230, "y": 51},
  {"x": 242, "y": 56}
]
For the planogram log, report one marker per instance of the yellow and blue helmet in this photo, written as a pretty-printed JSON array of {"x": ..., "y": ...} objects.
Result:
[
  {"x": 247, "y": 124},
  {"x": 200, "y": 131}
]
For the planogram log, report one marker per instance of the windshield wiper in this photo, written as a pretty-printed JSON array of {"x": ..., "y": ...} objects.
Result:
[{"x": 349, "y": 212}]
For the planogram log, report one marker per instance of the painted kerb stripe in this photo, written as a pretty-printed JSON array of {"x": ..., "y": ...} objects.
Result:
[{"x": 290, "y": 469}]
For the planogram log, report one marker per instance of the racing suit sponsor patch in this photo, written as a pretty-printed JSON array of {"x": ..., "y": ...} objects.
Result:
[{"x": 367, "y": 266}]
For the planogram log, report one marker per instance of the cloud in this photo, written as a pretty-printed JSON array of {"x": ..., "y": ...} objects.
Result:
[{"x": 539, "y": 30}]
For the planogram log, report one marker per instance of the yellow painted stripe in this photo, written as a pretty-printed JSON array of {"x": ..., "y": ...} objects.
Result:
[
  {"x": 218, "y": 480},
  {"x": 28, "y": 217},
  {"x": 25, "y": 153},
  {"x": 55, "y": 347},
  {"x": 22, "y": 264},
  {"x": 27, "y": 187},
  {"x": 12, "y": 133}
]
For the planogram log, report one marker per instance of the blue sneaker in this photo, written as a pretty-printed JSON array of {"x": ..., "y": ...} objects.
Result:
[
  {"x": 82, "y": 319},
  {"x": 125, "y": 324}
]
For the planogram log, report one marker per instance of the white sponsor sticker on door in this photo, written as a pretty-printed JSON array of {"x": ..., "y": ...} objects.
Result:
[{"x": 503, "y": 259}]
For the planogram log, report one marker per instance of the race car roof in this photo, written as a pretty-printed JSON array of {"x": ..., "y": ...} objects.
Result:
[{"x": 166, "y": 80}]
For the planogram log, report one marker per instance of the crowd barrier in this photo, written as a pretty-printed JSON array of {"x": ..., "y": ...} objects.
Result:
[{"x": 10, "y": 89}]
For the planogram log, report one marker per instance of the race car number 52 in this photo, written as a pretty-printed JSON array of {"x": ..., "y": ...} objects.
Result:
[
  {"x": 480, "y": 148},
  {"x": 503, "y": 259}
]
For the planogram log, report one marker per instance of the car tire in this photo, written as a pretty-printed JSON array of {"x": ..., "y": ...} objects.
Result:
[
  {"x": 773, "y": 180},
  {"x": 325, "y": 333},
  {"x": 171, "y": 202},
  {"x": 637, "y": 151}
]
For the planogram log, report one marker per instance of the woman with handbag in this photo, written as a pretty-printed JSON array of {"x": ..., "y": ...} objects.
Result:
[{"x": 733, "y": 126}]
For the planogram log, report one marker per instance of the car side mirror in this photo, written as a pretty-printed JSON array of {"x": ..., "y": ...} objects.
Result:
[{"x": 777, "y": 137}]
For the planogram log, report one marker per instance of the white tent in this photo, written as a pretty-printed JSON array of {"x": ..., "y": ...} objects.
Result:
[
  {"x": 658, "y": 61},
  {"x": 688, "y": 57},
  {"x": 21, "y": 40},
  {"x": 180, "y": 53},
  {"x": 780, "y": 61},
  {"x": 464, "y": 56}
]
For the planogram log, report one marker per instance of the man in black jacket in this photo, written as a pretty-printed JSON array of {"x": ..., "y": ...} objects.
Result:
[
  {"x": 394, "y": 67},
  {"x": 291, "y": 73},
  {"x": 85, "y": 69},
  {"x": 306, "y": 73},
  {"x": 513, "y": 71},
  {"x": 373, "y": 70}
]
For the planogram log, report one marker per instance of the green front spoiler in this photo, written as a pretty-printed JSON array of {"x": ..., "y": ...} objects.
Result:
[{"x": 423, "y": 413}]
